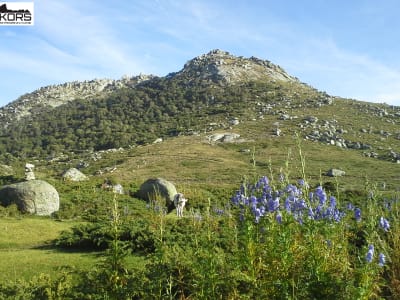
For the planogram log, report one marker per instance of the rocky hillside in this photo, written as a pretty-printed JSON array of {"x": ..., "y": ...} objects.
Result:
[
  {"x": 216, "y": 66},
  {"x": 214, "y": 91},
  {"x": 55, "y": 95}
]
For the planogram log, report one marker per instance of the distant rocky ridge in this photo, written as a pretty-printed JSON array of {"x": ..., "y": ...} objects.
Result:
[{"x": 55, "y": 95}]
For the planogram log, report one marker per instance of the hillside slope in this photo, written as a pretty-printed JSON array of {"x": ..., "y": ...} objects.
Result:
[{"x": 256, "y": 102}]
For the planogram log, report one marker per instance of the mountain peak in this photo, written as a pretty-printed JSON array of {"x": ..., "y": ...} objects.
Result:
[{"x": 218, "y": 65}]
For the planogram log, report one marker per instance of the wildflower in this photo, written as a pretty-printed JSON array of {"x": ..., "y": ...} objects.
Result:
[
  {"x": 350, "y": 206},
  {"x": 337, "y": 215},
  {"x": 253, "y": 200},
  {"x": 257, "y": 213},
  {"x": 357, "y": 214},
  {"x": 370, "y": 253},
  {"x": 264, "y": 181},
  {"x": 301, "y": 204},
  {"x": 311, "y": 213},
  {"x": 384, "y": 224},
  {"x": 382, "y": 259},
  {"x": 332, "y": 201},
  {"x": 273, "y": 204},
  {"x": 303, "y": 183},
  {"x": 318, "y": 212},
  {"x": 287, "y": 205},
  {"x": 328, "y": 213},
  {"x": 279, "y": 218},
  {"x": 320, "y": 193}
]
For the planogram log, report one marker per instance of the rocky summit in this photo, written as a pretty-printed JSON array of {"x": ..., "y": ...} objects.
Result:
[{"x": 218, "y": 65}]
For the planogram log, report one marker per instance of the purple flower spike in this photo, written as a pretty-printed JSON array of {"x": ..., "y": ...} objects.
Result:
[
  {"x": 279, "y": 218},
  {"x": 370, "y": 253},
  {"x": 332, "y": 201},
  {"x": 357, "y": 214},
  {"x": 384, "y": 224}
]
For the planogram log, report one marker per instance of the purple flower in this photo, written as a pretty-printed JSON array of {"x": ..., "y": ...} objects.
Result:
[
  {"x": 279, "y": 218},
  {"x": 257, "y": 213},
  {"x": 320, "y": 193},
  {"x": 273, "y": 204},
  {"x": 311, "y": 213},
  {"x": 370, "y": 253},
  {"x": 332, "y": 201},
  {"x": 357, "y": 214},
  {"x": 287, "y": 205},
  {"x": 382, "y": 259},
  {"x": 301, "y": 204},
  {"x": 384, "y": 224},
  {"x": 350, "y": 206},
  {"x": 337, "y": 215},
  {"x": 253, "y": 200}
]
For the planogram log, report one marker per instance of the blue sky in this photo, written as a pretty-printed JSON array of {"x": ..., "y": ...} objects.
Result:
[{"x": 346, "y": 48}]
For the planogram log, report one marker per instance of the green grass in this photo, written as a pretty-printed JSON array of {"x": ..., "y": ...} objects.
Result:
[
  {"x": 27, "y": 263},
  {"x": 24, "y": 248}
]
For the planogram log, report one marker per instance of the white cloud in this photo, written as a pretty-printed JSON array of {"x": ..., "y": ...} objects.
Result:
[{"x": 84, "y": 39}]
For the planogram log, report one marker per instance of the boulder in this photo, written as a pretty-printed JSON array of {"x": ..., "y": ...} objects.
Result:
[
  {"x": 33, "y": 196},
  {"x": 158, "y": 189},
  {"x": 74, "y": 174},
  {"x": 226, "y": 137},
  {"x": 118, "y": 189},
  {"x": 29, "y": 174},
  {"x": 335, "y": 173}
]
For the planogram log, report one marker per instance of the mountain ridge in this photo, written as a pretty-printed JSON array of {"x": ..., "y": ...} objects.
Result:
[
  {"x": 214, "y": 91},
  {"x": 216, "y": 66},
  {"x": 59, "y": 94}
]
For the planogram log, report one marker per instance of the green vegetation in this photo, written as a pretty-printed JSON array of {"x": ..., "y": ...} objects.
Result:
[
  {"x": 244, "y": 236},
  {"x": 264, "y": 239},
  {"x": 162, "y": 107}
]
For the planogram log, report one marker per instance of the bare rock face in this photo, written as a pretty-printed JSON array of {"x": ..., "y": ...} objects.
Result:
[
  {"x": 33, "y": 196},
  {"x": 158, "y": 188}
]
